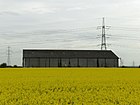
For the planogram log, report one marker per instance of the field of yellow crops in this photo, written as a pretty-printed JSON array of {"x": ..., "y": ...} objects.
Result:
[{"x": 70, "y": 86}]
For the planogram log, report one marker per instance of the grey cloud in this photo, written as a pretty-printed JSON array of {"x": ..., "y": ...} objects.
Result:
[
  {"x": 9, "y": 13},
  {"x": 39, "y": 22}
]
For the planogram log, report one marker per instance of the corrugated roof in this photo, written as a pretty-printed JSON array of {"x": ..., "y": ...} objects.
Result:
[{"x": 69, "y": 53}]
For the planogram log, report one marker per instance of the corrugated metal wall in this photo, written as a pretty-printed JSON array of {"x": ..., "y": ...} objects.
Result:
[{"x": 69, "y": 62}]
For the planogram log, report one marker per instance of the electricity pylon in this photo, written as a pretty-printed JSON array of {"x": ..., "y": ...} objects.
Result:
[{"x": 103, "y": 40}]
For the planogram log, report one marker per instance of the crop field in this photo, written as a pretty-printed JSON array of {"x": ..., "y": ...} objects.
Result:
[{"x": 70, "y": 86}]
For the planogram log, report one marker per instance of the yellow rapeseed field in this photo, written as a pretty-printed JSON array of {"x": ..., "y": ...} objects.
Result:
[{"x": 69, "y": 86}]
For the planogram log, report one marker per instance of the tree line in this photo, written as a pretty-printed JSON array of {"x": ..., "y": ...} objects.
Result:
[{"x": 4, "y": 65}]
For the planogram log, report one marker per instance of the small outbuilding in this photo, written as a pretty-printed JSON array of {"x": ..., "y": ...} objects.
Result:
[{"x": 69, "y": 58}]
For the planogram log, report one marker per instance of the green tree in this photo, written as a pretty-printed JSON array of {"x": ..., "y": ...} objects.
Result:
[{"x": 3, "y": 65}]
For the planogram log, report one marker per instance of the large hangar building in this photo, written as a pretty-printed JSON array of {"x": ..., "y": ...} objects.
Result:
[{"x": 69, "y": 58}]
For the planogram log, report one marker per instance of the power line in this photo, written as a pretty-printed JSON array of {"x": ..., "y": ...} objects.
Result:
[
  {"x": 42, "y": 32},
  {"x": 67, "y": 31},
  {"x": 125, "y": 37}
]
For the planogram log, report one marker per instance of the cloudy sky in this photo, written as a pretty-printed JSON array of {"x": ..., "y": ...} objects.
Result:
[{"x": 69, "y": 24}]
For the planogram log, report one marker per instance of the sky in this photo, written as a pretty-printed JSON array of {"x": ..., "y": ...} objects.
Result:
[{"x": 69, "y": 24}]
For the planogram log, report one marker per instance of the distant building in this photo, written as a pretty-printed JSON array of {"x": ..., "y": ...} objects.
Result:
[{"x": 69, "y": 58}]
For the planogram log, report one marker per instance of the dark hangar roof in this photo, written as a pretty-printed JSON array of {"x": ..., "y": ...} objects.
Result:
[{"x": 69, "y": 53}]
